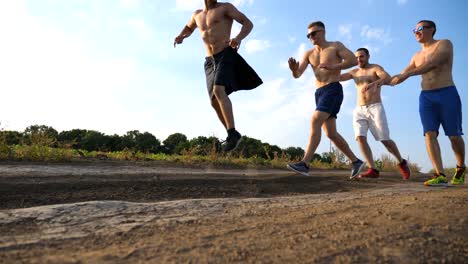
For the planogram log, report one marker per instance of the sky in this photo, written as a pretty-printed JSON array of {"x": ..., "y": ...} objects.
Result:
[{"x": 110, "y": 66}]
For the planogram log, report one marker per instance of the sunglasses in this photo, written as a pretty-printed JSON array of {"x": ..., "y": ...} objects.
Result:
[
  {"x": 419, "y": 29},
  {"x": 313, "y": 33}
]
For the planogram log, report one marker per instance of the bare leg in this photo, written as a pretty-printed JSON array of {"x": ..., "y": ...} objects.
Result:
[
  {"x": 458, "y": 146},
  {"x": 366, "y": 151},
  {"x": 217, "y": 108},
  {"x": 318, "y": 118},
  {"x": 393, "y": 149},
  {"x": 330, "y": 129},
  {"x": 433, "y": 149},
  {"x": 225, "y": 105}
]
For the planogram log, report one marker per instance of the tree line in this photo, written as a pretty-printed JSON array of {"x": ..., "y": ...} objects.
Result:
[{"x": 174, "y": 144}]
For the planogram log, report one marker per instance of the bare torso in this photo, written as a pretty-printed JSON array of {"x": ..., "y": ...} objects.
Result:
[
  {"x": 215, "y": 28},
  {"x": 441, "y": 76},
  {"x": 327, "y": 55},
  {"x": 362, "y": 77}
]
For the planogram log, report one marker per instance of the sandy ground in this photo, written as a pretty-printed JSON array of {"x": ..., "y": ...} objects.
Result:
[{"x": 114, "y": 212}]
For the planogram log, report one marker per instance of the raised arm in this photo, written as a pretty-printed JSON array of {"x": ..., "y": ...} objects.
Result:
[
  {"x": 298, "y": 68},
  {"x": 349, "y": 60},
  {"x": 242, "y": 19},
  {"x": 187, "y": 30}
]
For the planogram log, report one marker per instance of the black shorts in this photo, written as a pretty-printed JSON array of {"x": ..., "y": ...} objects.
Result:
[
  {"x": 328, "y": 98},
  {"x": 227, "y": 68}
]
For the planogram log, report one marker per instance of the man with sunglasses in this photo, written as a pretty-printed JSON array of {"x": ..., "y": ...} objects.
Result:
[
  {"x": 226, "y": 71},
  {"x": 369, "y": 113},
  {"x": 439, "y": 101},
  {"x": 327, "y": 59}
]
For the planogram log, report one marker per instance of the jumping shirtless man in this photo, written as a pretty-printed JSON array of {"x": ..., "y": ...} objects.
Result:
[
  {"x": 226, "y": 71},
  {"x": 439, "y": 101},
  {"x": 327, "y": 59},
  {"x": 369, "y": 113}
]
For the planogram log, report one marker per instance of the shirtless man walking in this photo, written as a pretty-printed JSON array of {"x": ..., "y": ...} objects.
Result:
[
  {"x": 369, "y": 113},
  {"x": 439, "y": 101},
  {"x": 226, "y": 71},
  {"x": 327, "y": 59}
]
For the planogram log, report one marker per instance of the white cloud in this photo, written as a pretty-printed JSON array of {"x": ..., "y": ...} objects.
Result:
[
  {"x": 344, "y": 31},
  {"x": 378, "y": 34},
  {"x": 255, "y": 45},
  {"x": 300, "y": 51},
  {"x": 372, "y": 49},
  {"x": 402, "y": 2},
  {"x": 140, "y": 27}
]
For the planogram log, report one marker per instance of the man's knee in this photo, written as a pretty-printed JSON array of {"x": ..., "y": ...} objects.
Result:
[
  {"x": 431, "y": 134},
  {"x": 219, "y": 91},
  {"x": 455, "y": 138},
  {"x": 361, "y": 139}
]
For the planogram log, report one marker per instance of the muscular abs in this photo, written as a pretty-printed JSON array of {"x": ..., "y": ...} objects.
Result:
[
  {"x": 328, "y": 55},
  {"x": 215, "y": 29},
  {"x": 363, "y": 77},
  {"x": 437, "y": 78}
]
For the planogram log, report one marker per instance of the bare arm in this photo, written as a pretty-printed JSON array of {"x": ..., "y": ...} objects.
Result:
[
  {"x": 186, "y": 31},
  {"x": 346, "y": 77},
  {"x": 383, "y": 78},
  {"x": 298, "y": 68},
  {"x": 399, "y": 78},
  {"x": 348, "y": 57},
  {"x": 440, "y": 55},
  {"x": 242, "y": 19}
]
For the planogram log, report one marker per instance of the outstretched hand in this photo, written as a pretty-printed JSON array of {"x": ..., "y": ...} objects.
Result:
[
  {"x": 397, "y": 79},
  {"x": 293, "y": 64}
]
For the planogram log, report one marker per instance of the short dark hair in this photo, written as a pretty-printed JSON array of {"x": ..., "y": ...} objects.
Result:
[
  {"x": 316, "y": 23},
  {"x": 430, "y": 24},
  {"x": 363, "y": 49}
]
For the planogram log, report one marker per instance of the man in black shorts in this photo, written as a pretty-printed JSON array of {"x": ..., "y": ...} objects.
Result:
[
  {"x": 327, "y": 60},
  {"x": 226, "y": 71}
]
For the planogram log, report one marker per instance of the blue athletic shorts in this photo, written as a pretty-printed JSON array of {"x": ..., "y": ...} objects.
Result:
[
  {"x": 328, "y": 98},
  {"x": 441, "y": 107}
]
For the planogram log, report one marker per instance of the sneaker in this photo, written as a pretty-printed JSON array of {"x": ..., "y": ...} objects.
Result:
[
  {"x": 300, "y": 167},
  {"x": 459, "y": 177},
  {"x": 404, "y": 170},
  {"x": 232, "y": 141},
  {"x": 370, "y": 173},
  {"x": 437, "y": 180},
  {"x": 358, "y": 165}
]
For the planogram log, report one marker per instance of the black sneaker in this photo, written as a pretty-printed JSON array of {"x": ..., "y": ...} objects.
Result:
[
  {"x": 232, "y": 142},
  {"x": 358, "y": 165},
  {"x": 299, "y": 167}
]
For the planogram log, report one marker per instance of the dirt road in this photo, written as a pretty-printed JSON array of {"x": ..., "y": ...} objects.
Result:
[{"x": 115, "y": 212}]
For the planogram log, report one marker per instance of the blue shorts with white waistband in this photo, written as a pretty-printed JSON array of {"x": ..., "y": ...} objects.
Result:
[{"x": 441, "y": 107}]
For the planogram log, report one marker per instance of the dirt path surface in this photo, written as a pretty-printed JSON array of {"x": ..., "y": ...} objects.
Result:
[{"x": 114, "y": 212}]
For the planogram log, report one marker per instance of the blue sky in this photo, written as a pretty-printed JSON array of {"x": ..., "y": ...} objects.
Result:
[{"x": 109, "y": 65}]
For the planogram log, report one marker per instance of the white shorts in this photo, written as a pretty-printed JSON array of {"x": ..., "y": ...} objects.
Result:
[{"x": 371, "y": 117}]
